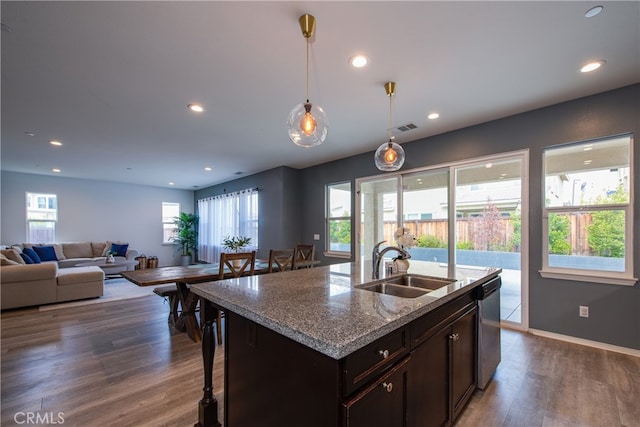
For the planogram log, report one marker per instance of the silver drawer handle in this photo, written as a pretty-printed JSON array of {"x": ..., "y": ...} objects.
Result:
[
  {"x": 384, "y": 353},
  {"x": 388, "y": 387}
]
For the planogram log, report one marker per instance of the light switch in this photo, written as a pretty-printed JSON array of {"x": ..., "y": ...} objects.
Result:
[{"x": 316, "y": 237}]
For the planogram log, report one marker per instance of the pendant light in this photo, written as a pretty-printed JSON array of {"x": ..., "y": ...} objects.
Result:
[
  {"x": 389, "y": 156},
  {"x": 307, "y": 123}
]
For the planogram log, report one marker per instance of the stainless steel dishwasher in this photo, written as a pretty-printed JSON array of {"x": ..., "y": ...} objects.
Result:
[{"x": 488, "y": 296}]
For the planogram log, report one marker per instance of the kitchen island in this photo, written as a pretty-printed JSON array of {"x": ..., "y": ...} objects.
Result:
[{"x": 309, "y": 347}]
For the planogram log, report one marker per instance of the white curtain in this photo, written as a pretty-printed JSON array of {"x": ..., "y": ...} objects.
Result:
[{"x": 233, "y": 214}]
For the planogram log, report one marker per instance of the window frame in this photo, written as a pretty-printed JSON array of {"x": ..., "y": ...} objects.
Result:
[
  {"x": 36, "y": 196},
  {"x": 329, "y": 219},
  {"x": 624, "y": 278},
  {"x": 171, "y": 223}
]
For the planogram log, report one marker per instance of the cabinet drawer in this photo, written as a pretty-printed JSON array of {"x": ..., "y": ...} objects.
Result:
[
  {"x": 429, "y": 324},
  {"x": 382, "y": 403},
  {"x": 366, "y": 363}
]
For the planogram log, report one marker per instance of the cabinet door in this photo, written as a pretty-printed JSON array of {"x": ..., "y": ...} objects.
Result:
[
  {"x": 383, "y": 403},
  {"x": 429, "y": 382},
  {"x": 463, "y": 360}
]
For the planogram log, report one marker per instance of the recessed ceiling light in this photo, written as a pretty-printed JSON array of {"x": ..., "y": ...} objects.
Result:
[
  {"x": 172, "y": 183},
  {"x": 55, "y": 142},
  {"x": 196, "y": 108},
  {"x": 208, "y": 168},
  {"x": 358, "y": 61},
  {"x": 587, "y": 162},
  {"x": 30, "y": 133},
  {"x": 592, "y": 66},
  {"x": 593, "y": 11},
  {"x": 488, "y": 165},
  {"x": 56, "y": 170},
  {"x": 588, "y": 147},
  {"x": 433, "y": 116}
]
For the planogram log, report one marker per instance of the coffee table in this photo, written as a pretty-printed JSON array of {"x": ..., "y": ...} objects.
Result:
[{"x": 103, "y": 264}]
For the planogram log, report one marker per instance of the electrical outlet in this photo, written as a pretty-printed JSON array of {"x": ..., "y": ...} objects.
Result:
[{"x": 584, "y": 311}]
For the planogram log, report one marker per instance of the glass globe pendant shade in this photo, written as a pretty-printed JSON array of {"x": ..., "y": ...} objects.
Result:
[
  {"x": 389, "y": 157},
  {"x": 307, "y": 125}
]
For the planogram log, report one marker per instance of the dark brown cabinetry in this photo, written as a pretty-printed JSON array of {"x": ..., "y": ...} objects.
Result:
[
  {"x": 421, "y": 374},
  {"x": 443, "y": 364},
  {"x": 383, "y": 403}
]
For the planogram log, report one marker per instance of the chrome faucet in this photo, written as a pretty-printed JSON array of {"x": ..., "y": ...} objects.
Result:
[{"x": 378, "y": 255}]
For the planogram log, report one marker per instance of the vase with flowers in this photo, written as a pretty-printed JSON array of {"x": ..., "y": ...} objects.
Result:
[
  {"x": 110, "y": 257},
  {"x": 405, "y": 240}
]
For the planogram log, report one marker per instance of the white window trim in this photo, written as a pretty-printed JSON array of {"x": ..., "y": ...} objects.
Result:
[{"x": 328, "y": 218}]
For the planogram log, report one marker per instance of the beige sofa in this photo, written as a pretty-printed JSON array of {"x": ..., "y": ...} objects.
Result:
[
  {"x": 72, "y": 253},
  {"x": 24, "y": 285}
]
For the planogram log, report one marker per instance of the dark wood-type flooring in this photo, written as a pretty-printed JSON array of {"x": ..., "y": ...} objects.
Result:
[{"x": 120, "y": 364}]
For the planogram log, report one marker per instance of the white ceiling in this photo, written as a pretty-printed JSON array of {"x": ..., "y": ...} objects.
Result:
[{"x": 111, "y": 80}]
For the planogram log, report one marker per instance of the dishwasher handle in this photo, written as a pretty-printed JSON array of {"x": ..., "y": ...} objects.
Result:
[{"x": 486, "y": 289}]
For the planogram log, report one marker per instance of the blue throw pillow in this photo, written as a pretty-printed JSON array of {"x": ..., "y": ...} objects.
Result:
[
  {"x": 46, "y": 253},
  {"x": 26, "y": 259},
  {"x": 120, "y": 250},
  {"x": 32, "y": 254}
]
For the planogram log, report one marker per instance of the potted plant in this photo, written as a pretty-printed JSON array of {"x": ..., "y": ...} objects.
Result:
[
  {"x": 236, "y": 243},
  {"x": 186, "y": 235}
]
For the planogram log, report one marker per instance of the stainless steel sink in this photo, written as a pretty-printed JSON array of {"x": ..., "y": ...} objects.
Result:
[
  {"x": 395, "y": 290},
  {"x": 406, "y": 285},
  {"x": 417, "y": 281}
]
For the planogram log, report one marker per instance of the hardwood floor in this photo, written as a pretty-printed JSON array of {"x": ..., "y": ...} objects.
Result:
[
  {"x": 545, "y": 382},
  {"x": 112, "y": 364},
  {"x": 120, "y": 364}
]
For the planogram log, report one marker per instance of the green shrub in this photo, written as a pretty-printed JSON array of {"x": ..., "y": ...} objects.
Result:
[
  {"x": 559, "y": 234},
  {"x": 464, "y": 245},
  {"x": 605, "y": 234},
  {"x": 428, "y": 241}
]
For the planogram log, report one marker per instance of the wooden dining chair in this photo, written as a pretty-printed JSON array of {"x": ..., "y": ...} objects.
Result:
[
  {"x": 236, "y": 264},
  {"x": 233, "y": 265},
  {"x": 303, "y": 253},
  {"x": 281, "y": 260}
]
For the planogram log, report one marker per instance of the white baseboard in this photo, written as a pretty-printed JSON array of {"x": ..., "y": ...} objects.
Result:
[{"x": 588, "y": 343}]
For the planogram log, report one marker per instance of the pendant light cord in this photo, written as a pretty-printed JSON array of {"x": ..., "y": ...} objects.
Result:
[
  {"x": 307, "y": 70},
  {"x": 390, "y": 120}
]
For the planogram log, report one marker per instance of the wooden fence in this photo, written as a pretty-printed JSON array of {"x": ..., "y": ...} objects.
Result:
[{"x": 498, "y": 234}]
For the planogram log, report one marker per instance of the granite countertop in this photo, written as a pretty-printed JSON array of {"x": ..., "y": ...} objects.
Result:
[{"x": 321, "y": 308}]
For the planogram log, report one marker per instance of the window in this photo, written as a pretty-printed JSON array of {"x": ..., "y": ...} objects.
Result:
[
  {"x": 233, "y": 214},
  {"x": 42, "y": 215},
  {"x": 170, "y": 211},
  {"x": 587, "y": 218},
  {"x": 338, "y": 219}
]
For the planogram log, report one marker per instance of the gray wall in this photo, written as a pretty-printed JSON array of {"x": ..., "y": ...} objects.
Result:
[
  {"x": 95, "y": 211},
  {"x": 614, "y": 310},
  {"x": 292, "y": 206},
  {"x": 279, "y": 201}
]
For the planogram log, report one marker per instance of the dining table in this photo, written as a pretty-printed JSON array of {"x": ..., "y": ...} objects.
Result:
[{"x": 183, "y": 276}]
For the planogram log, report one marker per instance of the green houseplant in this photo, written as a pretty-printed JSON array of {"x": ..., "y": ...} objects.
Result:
[
  {"x": 235, "y": 243},
  {"x": 186, "y": 235}
]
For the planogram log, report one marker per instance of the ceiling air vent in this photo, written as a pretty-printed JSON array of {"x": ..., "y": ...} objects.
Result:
[{"x": 408, "y": 126}]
